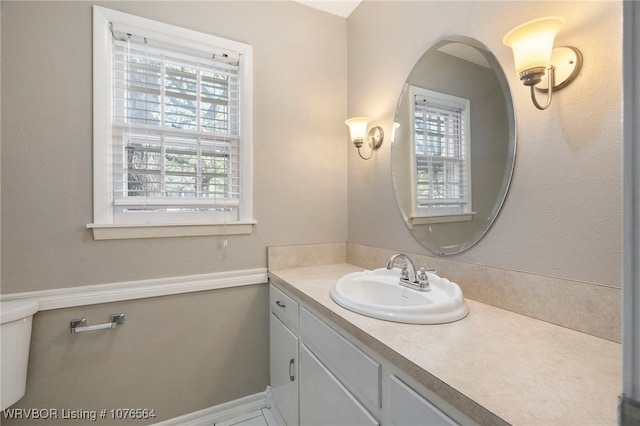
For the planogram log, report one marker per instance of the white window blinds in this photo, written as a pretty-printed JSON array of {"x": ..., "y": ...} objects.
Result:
[
  {"x": 442, "y": 171},
  {"x": 176, "y": 137}
]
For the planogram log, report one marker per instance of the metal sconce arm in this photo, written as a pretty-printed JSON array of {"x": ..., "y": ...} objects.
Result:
[
  {"x": 374, "y": 140},
  {"x": 551, "y": 83}
]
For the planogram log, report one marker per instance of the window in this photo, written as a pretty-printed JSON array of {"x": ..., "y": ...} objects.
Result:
[
  {"x": 442, "y": 184},
  {"x": 172, "y": 128}
]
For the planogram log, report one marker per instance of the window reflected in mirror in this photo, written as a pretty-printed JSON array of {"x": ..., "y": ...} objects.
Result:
[{"x": 441, "y": 166}]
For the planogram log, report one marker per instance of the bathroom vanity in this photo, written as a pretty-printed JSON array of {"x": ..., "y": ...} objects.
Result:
[
  {"x": 332, "y": 366},
  {"x": 321, "y": 377}
]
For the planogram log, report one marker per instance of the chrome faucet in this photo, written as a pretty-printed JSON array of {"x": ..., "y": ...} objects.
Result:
[
  {"x": 408, "y": 276},
  {"x": 408, "y": 272}
]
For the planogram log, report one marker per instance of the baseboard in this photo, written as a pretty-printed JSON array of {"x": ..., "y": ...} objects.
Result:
[
  {"x": 273, "y": 408},
  {"x": 219, "y": 413}
]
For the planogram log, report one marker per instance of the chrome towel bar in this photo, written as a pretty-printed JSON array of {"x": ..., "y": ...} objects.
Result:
[{"x": 79, "y": 325}]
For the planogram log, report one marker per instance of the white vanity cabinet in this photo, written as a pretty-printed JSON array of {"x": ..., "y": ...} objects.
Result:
[
  {"x": 283, "y": 355},
  {"x": 321, "y": 376}
]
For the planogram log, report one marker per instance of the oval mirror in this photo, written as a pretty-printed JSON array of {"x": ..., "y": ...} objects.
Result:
[{"x": 454, "y": 145}]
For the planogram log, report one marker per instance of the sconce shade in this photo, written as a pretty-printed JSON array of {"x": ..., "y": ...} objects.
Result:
[
  {"x": 358, "y": 132},
  {"x": 532, "y": 43},
  {"x": 358, "y": 129}
]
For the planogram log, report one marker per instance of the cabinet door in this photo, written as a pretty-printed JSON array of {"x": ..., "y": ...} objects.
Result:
[
  {"x": 283, "y": 368},
  {"x": 409, "y": 408},
  {"x": 353, "y": 368},
  {"x": 323, "y": 399}
]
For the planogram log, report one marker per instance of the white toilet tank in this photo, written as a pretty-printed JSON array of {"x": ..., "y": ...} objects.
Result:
[{"x": 15, "y": 338}]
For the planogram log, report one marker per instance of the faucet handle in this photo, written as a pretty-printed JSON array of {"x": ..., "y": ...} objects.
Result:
[
  {"x": 423, "y": 278},
  {"x": 422, "y": 274},
  {"x": 404, "y": 273}
]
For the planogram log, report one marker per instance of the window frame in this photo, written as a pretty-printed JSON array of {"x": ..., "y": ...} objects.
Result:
[{"x": 104, "y": 225}]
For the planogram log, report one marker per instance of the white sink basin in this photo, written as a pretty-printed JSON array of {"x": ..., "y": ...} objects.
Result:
[{"x": 378, "y": 294}]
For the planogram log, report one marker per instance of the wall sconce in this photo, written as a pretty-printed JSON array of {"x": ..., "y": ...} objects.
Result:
[
  {"x": 534, "y": 55},
  {"x": 358, "y": 130}
]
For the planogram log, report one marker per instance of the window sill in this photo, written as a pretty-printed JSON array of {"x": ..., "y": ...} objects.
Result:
[
  {"x": 123, "y": 231},
  {"x": 425, "y": 220}
]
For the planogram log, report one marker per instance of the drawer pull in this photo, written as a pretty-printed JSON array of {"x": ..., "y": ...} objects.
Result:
[
  {"x": 291, "y": 376},
  {"x": 279, "y": 303}
]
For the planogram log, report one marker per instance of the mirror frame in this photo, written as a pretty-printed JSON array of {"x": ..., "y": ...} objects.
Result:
[{"x": 511, "y": 145}]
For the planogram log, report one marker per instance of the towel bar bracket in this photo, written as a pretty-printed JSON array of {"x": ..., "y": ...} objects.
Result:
[{"x": 80, "y": 325}]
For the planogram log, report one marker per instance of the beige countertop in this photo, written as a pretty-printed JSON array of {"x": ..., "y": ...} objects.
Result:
[{"x": 495, "y": 366}]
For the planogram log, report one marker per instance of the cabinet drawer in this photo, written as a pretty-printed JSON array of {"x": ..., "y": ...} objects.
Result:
[
  {"x": 284, "y": 307},
  {"x": 409, "y": 408},
  {"x": 355, "y": 369},
  {"x": 324, "y": 400}
]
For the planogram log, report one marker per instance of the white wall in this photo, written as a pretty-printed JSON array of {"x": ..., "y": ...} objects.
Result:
[{"x": 562, "y": 216}]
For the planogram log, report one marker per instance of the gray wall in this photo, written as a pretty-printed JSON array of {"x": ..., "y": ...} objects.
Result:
[
  {"x": 299, "y": 142},
  {"x": 562, "y": 217},
  {"x": 177, "y": 354}
]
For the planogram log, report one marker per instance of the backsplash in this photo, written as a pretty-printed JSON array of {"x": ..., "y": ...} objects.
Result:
[
  {"x": 285, "y": 257},
  {"x": 582, "y": 306}
]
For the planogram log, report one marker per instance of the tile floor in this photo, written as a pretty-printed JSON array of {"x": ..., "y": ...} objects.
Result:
[{"x": 262, "y": 417}]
